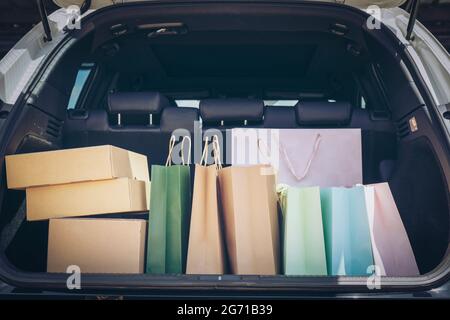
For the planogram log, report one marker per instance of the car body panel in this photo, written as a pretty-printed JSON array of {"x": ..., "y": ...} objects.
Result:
[
  {"x": 20, "y": 63},
  {"x": 429, "y": 55},
  {"x": 96, "y": 4}
]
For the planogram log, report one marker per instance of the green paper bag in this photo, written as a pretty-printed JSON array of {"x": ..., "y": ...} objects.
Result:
[
  {"x": 169, "y": 216},
  {"x": 303, "y": 239}
]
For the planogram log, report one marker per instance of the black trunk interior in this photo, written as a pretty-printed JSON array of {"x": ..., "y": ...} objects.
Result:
[{"x": 295, "y": 53}]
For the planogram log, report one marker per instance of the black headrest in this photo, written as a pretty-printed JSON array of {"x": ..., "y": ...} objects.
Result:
[
  {"x": 173, "y": 118},
  {"x": 323, "y": 113},
  {"x": 137, "y": 102},
  {"x": 279, "y": 117},
  {"x": 215, "y": 110}
]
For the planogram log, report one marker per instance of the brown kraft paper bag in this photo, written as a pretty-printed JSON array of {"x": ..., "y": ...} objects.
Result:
[
  {"x": 206, "y": 248},
  {"x": 249, "y": 201}
]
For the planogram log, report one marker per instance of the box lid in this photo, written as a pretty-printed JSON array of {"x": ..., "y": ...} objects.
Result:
[{"x": 74, "y": 165}]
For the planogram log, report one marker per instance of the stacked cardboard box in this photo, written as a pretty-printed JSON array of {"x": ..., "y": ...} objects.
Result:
[{"x": 82, "y": 182}]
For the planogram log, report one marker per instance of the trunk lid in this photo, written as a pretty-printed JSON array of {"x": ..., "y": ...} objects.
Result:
[{"x": 96, "y": 4}]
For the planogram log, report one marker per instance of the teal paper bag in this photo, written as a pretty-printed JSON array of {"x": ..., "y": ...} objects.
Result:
[
  {"x": 303, "y": 239},
  {"x": 346, "y": 229},
  {"x": 170, "y": 206}
]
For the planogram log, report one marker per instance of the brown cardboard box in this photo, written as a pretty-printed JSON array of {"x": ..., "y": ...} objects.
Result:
[
  {"x": 97, "y": 245},
  {"x": 86, "y": 198},
  {"x": 74, "y": 165}
]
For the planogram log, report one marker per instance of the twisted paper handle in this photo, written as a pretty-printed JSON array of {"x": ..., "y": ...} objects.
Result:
[
  {"x": 186, "y": 138},
  {"x": 216, "y": 152},
  {"x": 203, "y": 160},
  {"x": 171, "y": 147},
  {"x": 310, "y": 160}
]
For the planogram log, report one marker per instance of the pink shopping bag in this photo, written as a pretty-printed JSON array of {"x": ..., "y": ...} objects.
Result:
[
  {"x": 302, "y": 157},
  {"x": 391, "y": 248}
]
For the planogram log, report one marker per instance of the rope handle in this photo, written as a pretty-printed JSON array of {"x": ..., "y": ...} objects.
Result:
[
  {"x": 216, "y": 152},
  {"x": 172, "y": 146},
  {"x": 203, "y": 160},
  {"x": 316, "y": 146},
  {"x": 265, "y": 154},
  {"x": 186, "y": 138}
]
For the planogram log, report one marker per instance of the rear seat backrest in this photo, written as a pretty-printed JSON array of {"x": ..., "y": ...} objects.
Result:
[
  {"x": 378, "y": 137},
  {"x": 97, "y": 120},
  {"x": 85, "y": 128},
  {"x": 232, "y": 112},
  {"x": 173, "y": 118},
  {"x": 151, "y": 140}
]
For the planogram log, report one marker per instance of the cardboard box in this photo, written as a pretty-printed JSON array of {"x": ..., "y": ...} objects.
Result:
[
  {"x": 97, "y": 245},
  {"x": 86, "y": 198},
  {"x": 74, "y": 165}
]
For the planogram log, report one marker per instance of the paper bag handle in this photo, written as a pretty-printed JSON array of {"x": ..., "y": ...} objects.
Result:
[
  {"x": 216, "y": 152},
  {"x": 203, "y": 160},
  {"x": 267, "y": 154},
  {"x": 171, "y": 147},
  {"x": 169, "y": 155},
  {"x": 186, "y": 138},
  {"x": 317, "y": 141}
]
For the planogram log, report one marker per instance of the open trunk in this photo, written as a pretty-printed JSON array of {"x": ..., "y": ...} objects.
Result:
[{"x": 277, "y": 52}]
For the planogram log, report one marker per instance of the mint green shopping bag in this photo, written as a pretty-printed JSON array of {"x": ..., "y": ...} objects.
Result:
[
  {"x": 303, "y": 239},
  {"x": 346, "y": 229},
  {"x": 170, "y": 205}
]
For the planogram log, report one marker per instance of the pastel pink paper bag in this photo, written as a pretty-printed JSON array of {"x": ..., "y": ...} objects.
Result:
[
  {"x": 302, "y": 157},
  {"x": 336, "y": 162},
  {"x": 391, "y": 248}
]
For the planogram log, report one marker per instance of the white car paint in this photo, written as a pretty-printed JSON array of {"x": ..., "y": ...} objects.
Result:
[
  {"x": 22, "y": 61},
  {"x": 429, "y": 55}
]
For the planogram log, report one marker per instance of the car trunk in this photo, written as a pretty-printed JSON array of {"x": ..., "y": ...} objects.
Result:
[{"x": 274, "y": 52}]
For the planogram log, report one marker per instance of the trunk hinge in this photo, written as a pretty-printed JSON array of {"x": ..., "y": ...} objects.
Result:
[
  {"x": 85, "y": 6},
  {"x": 44, "y": 18},
  {"x": 413, "y": 11},
  {"x": 43, "y": 13}
]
